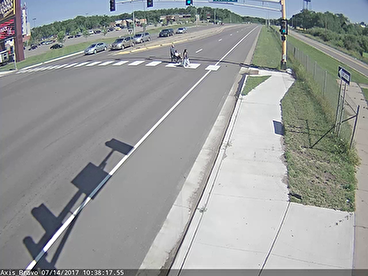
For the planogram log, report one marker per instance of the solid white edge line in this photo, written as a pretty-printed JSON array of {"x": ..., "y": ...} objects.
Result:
[
  {"x": 199, "y": 51},
  {"x": 122, "y": 161}
]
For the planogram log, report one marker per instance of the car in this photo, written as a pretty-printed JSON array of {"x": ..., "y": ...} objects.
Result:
[
  {"x": 32, "y": 47},
  {"x": 121, "y": 43},
  {"x": 91, "y": 32},
  {"x": 77, "y": 35},
  {"x": 181, "y": 30},
  {"x": 95, "y": 47},
  {"x": 166, "y": 32},
  {"x": 57, "y": 46},
  {"x": 143, "y": 37}
]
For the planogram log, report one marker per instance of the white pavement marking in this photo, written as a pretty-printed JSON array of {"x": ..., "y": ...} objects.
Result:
[
  {"x": 120, "y": 62},
  {"x": 81, "y": 64},
  {"x": 106, "y": 63},
  {"x": 70, "y": 65},
  {"x": 193, "y": 65},
  {"x": 94, "y": 63},
  {"x": 199, "y": 51},
  {"x": 135, "y": 63},
  {"x": 153, "y": 63},
  {"x": 60, "y": 66},
  {"x": 212, "y": 67},
  {"x": 231, "y": 34},
  {"x": 172, "y": 65},
  {"x": 121, "y": 162},
  {"x": 220, "y": 39}
]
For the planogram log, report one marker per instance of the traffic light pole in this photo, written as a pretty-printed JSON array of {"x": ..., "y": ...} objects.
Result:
[{"x": 283, "y": 57}]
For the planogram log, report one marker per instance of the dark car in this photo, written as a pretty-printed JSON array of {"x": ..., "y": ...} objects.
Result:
[
  {"x": 33, "y": 46},
  {"x": 166, "y": 32},
  {"x": 57, "y": 46}
]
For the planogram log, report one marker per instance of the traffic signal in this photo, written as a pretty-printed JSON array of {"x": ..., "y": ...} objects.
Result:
[
  {"x": 149, "y": 3},
  {"x": 284, "y": 27},
  {"x": 112, "y": 5},
  {"x": 189, "y": 2}
]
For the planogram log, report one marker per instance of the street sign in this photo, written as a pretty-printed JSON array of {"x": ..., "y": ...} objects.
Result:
[{"x": 344, "y": 75}]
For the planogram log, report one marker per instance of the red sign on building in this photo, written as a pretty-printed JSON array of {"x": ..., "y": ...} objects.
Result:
[{"x": 7, "y": 29}]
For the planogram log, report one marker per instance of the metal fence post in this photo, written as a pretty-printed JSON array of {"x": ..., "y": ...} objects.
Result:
[
  {"x": 325, "y": 83},
  {"x": 314, "y": 71},
  {"x": 355, "y": 124}
]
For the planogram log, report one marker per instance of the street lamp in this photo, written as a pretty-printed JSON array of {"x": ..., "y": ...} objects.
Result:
[{"x": 34, "y": 22}]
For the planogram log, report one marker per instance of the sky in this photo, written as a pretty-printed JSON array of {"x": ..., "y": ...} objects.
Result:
[{"x": 42, "y": 12}]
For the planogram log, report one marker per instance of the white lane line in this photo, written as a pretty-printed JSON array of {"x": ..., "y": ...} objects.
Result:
[
  {"x": 121, "y": 162},
  {"x": 81, "y": 64},
  {"x": 220, "y": 39},
  {"x": 200, "y": 50},
  {"x": 135, "y": 63},
  {"x": 120, "y": 62},
  {"x": 154, "y": 63},
  {"x": 212, "y": 67},
  {"x": 106, "y": 63},
  {"x": 61, "y": 66},
  {"x": 94, "y": 63},
  {"x": 70, "y": 65}
]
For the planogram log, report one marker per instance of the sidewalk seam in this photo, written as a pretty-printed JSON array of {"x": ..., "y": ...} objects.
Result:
[{"x": 275, "y": 239}]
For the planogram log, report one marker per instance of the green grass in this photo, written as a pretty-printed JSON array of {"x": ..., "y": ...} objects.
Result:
[
  {"x": 326, "y": 62},
  {"x": 324, "y": 175},
  {"x": 268, "y": 50},
  {"x": 365, "y": 92},
  {"x": 253, "y": 82}
]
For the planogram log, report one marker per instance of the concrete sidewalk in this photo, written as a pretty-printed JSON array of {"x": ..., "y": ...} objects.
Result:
[{"x": 245, "y": 219}]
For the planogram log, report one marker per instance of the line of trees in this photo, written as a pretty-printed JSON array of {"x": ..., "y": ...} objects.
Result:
[
  {"x": 333, "y": 28},
  {"x": 81, "y": 24}
]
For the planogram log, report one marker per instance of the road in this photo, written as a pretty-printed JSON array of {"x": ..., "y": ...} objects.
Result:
[
  {"x": 357, "y": 65},
  {"x": 67, "y": 124}
]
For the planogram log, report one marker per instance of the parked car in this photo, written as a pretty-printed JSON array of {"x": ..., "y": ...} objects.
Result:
[
  {"x": 91, "y": 32},
  {"x": 166, "y": 32},
  {"x": 121, "y": 43},
  {"x": 57, "y": 46},
  {"x": 143, "y": 37},
  {"x": 95, "y": 47},
  {"x": 77, "y": 35},
  {"x": 32, "y": 47},
  {"x": 181, "y": 30}
]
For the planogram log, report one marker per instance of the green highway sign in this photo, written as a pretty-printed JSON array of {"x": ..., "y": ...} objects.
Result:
[{"x": 233, "y": 1}]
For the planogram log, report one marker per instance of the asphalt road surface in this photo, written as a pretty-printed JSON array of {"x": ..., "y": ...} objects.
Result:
[
  {"x": 358, "y": 65},
  {"x": 67, "y": 124}
]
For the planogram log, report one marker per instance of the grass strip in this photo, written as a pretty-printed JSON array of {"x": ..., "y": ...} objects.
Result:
[
  {"x": 268, "y": 50},
  {"x": 326, "y": 62},
  {"x": 252, "y": 82},
  {"x": 324, "y": 175}
]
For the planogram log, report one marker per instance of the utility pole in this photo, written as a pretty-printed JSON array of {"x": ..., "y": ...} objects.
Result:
[{"x": 283, "y": 37}]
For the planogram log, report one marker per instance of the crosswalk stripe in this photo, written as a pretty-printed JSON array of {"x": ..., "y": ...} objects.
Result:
[
  {"x": 70, "y": 65},
  {"x": 81, "y": 64},
  {"x": 171, "y": 65},
  {"x": 61, "y": 66},
  {"x": 94, "y": 63},
  {"x": 106, "y": 63},
  {"x": 193, "y": 65},
  {"x": 153, "y": 63},
  {"x": 212, "y": 67},
  {"x": 136, "y": 62},
  {"x": 120, "y": 62}
]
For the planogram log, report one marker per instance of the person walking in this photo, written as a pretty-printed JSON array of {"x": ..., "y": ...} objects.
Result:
[
  {"x": 172, "y": 52},
  {"x": 185, "y": 58}
]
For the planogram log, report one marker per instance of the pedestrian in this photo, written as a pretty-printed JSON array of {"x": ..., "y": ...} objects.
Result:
[
  {"x": 185, "y": 58},
  {"x": 172, "y": 52}
]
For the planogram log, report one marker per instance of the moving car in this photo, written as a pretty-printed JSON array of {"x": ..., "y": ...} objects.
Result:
[
  {"x": 166, "y": 32},
  {"x": 33, "y": 46},
  {"x": 181, "y": 30},
  {"x": 122, "y": 43},
  {"x": 95, "y": 47},
  {"x": 57, "y": 46},
  {"x": 143, "y": 37}
]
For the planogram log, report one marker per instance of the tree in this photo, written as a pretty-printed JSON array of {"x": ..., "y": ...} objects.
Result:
[{"x": 61, "y": 36}]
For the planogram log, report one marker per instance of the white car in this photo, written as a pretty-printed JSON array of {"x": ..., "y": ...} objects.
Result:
[{"x": 181, "y": 30}]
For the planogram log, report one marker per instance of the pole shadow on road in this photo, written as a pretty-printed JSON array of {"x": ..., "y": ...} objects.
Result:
[{"x": 86, "y": 182}]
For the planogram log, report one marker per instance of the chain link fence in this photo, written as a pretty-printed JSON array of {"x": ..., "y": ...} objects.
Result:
[{"x": 328, "y": 87}]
